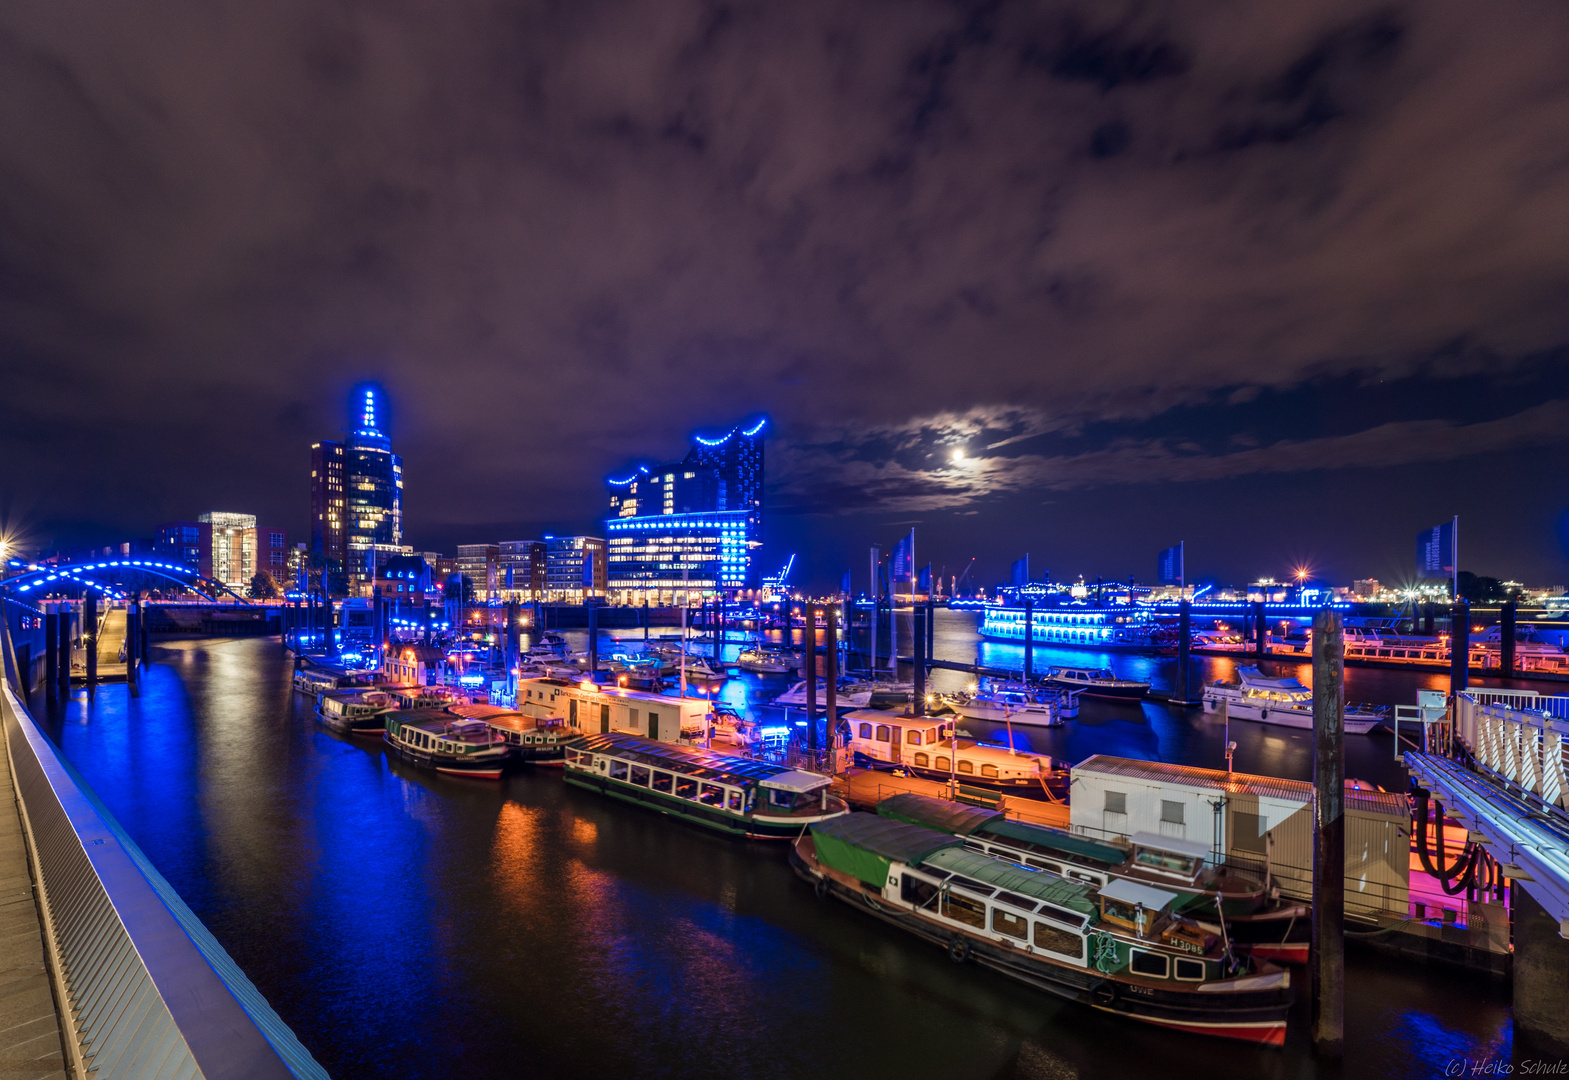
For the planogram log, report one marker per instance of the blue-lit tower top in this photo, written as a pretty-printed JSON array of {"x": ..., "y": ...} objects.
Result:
[{"x": 368, "y": 410}]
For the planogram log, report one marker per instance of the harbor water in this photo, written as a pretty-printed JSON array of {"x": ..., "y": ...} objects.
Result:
[{"x": 407, "y": 924}]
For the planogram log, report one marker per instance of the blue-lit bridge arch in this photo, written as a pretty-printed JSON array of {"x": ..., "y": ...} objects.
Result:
[{"x": 86, "y": 574}]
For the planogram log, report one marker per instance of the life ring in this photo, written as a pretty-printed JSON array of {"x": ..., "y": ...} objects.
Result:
[
  {"x": 958, "y": 950},
  {"x": 1105, "y": 994},
  {"x": 820, "y": 887}
]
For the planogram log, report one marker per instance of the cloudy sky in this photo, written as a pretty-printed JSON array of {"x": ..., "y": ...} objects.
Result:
[{"x": 1287, "y": 282}]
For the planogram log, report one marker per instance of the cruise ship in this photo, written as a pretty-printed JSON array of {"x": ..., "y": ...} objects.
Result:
[{"x": 1096, "y": 628}]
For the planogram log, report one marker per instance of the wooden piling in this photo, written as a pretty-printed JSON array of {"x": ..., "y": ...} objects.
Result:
[
  {"x": 64, "y": 649},
  {"x": 1459, "y": 647},
  {"x": 132, "y": 618},
  {"x": 1506, "y": 640},
  {"x": 1185, "y": 651},
  {"x": 1258, "y": 629},
  {"x": 593, "y": 638},
  {"x": 830, "y": 682},
  {"x": 809, "y": 670},
  {"x": 90, "y": 638},
  {"x": 1029, "y": 640},
  {"x": 918, "y": 640},
  {"x": 52, "y": 652},
  {"x": 931, "y": 629},
  {"x": 1327, "y": 969}
]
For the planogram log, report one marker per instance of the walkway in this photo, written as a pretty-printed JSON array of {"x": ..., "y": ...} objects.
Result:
[{"x": 29, "y": 1026}]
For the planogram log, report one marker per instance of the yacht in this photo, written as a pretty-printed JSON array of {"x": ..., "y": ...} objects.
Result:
[
  {"x": 850, "y": 695},
  {"x": 1015, "y": 703},
  {"x": 1097, "y": 683},
  {"x": 1285, "y": 702},
  {"x": 761, "y": 661},
  {"x": 1121, "y": 948}
]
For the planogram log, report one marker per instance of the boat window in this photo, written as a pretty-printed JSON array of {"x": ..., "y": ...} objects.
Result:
[
  {"x": 972, "y": 885},
  {"x": 913, "y": 738},
  {"x": 640, "y": 776},
  {"x": 618, "y": 769},
  {"x": 1152, "y": 964},
  {"x": 866, "y": 731},
  {"x": 931, "y": 735},
  {"x": 966, "y": 767},
  {"x": 733, "y": 800},
  {"x": 1164, "y": 860},
  {"x": 686, "y": 787},
  {"x": 882, "y": 732},
  {"x": 711, "y": 794},
  {"x": 989, "y": 770},
  {"x": 1022, "y": 902},
  {"x": 1057, "y": 940},
  {"x": 1117, "y": 909},
  {"x": 1005, "y": 922},
  {"x": 942, "y": 762},
  {"x": 662, "y": 781},
  {"x": 1189, "y": 970},
  {"x": 1040, "y": 864},
  {"x": 912, "y": 890},
  {"x": 964, "y": 909},
  {"x": 921, "y": 760},
  {"x": 975, "y": 845}
]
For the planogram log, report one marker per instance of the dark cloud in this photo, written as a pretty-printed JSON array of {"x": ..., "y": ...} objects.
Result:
[{"x": 565, "y": 234}]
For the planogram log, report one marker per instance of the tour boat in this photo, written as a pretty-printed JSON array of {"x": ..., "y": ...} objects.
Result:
[
  {"x": 450, "y": 744},
  {"x": 1285, "y": 702},
  {"x": 1120, "y": 949},
  {"x": 761, "y": 661},
  {"x": 354, "y": 712},
  {"x": 537, "y": 740},
  {"x": 1097, "y": 683},
  {"x": 926, "y": 746},
  {"x": 1076, "y": 626},
  {"x": 1235, "y": 903},
  {"x": 1014, "y": 704},
  {"x": 729, "y": 794},
  {"x": 312, "y": 681}
]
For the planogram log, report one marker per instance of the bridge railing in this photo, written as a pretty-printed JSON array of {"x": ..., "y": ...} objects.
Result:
[
  {"x": 1520, "y": 737},
  {"x": 147, "y": 990}
]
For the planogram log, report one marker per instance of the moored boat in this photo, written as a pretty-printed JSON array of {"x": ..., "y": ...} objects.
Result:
[
  {"x": 354, "y": 712},
  {"x": 1097, "y": 683},
  {"x": 729, "y": 794},
  {"x": 1119, "y": 949},
  {"x": 761, "y": 661},
  {"x": 537, "y": 740},
  {"x": 1014, "y": 704},
  {"x": 1285, "y": 702},
  {"x": 927, "y": 746},
  {"x": 434, "y": 739}
]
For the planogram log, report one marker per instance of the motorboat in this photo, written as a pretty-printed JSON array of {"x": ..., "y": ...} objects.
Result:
[
  {"x": 761, "y": 661},
  {"x": 1284, "y": 702},
  {"x": 1097, "y": 683}
]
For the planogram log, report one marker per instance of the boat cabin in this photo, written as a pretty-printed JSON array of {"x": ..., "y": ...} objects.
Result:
[
  {"x": 925, "y": 743},
  {"x": 1181, "y": 862},
  {"x": 440, "y": 732},
  {"x": 590, "y": 709}
]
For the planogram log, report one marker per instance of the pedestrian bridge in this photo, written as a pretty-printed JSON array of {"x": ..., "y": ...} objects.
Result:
[
  {"x": 1496, "y": 761},
  {"x": 107, "y": 972}
]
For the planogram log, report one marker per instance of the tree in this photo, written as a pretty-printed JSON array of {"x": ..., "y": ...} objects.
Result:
[
  {"x": 1485, "y": 590},
  {"x": 459, "y": 588},
  {"x": 263, "y": 587}
]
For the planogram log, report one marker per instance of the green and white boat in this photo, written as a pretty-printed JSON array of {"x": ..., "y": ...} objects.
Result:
[
  {"x": 449, "y": 744},
  {"x": 1118, "y": 949},
  {"x": 354, "y": 712},
  {"x": 733, "y": 795}
]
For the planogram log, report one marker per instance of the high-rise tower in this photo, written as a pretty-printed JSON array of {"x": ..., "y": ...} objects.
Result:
[{"x": 357, "y": 496}]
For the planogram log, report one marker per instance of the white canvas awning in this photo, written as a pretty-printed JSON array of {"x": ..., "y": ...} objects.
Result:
[{"x": 796, "y": 780}]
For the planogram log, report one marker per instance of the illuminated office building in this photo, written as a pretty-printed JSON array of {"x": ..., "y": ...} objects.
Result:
[
  {"x": 233, "y": 547},
  {"x": 357, "y": 498},
  {"x": 575, "y": 569},
  {"x": 692, "y": 529}
]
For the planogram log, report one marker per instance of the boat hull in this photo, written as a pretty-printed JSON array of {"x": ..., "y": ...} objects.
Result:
[
  {"x": 1110, "y": 693},
  {"x": 751, "y": 827},
  {"x": 490, "y": 768},
  {"x": 999, "y": 716},
  {"x": 351, "y": 725},
  {"x": 1303, "y": 721},
  {"x": 1248, "y": 1016}
]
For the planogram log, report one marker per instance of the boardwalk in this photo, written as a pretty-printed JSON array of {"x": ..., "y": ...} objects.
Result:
[{"x": 29, "y": 1027}]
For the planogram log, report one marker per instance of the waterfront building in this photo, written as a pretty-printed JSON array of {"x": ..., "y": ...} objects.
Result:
[
  {"x": 576, "y": 568},
  {"x": 479, "y": 563},
  {"x": 682, "y": 531},
  {"x": 522, "y": 569},
  {"x": 357, "y": 498},
  {"x": 188, "y": 543},
  {"x": 405, "y": 577},
  {"x": 233, "y": 546}
]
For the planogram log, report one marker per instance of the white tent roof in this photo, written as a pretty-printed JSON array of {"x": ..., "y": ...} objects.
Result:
[
  {"x": 796, "y": 780},
  {"x": 1131, "y": 892}
]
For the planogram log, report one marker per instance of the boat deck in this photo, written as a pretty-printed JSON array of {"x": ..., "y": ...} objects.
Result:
[{"x": 865, "y": 788}]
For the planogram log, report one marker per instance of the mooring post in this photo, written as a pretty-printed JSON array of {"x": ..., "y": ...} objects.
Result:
[
  {"x": 645, "y": 620},
  {"x": 1540, "y": 977},
  {"x": 931, "y": 628},
  {"x": 918, "y": 639},
  {"x": 90, "y": 639},
  {"x": 809, "y": 667},
  {"x": 593, "y": 637},
  {"x": 132, "y": 618},
  {"x": 64, "y": 649},
  {"x": 719, "y": 628},
  {"x": 141, "y": 627},
  {"x": 1258, "y": 628},
  {"x": 830, "y": 682},
  {"x": 1506, "y": 640},
  {"x": 1185, "y": 649},
  {"x": 52, "y": 651},
  {"x": 1328, "y": 966},
  {"x": 1459, "y": 647},
  {"x": 1029, "y": 640},
  {"x": 1427, "y": 617}
]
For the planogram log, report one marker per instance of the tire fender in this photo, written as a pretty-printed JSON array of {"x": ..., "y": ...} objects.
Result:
[
  {"x": 1105, "y": 994},
  {"x": 820, "y": 887},
  {"x": 958, "y": 950}
]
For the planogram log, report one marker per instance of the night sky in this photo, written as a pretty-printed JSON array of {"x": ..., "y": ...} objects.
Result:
[{"x": 1288, "y": 282}]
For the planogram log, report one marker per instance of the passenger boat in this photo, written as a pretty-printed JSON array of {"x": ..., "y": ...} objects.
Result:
[
  {"x": 535, "y": 740},
  {"x": 1077, "y": 626},
  {"x": 1285, "y": 702},
  {"x": 926, "y": 746},
  {"x": 354, "y": 712},
  {"x": 1097, "y": 683},
  {"x": 1120, "y": 949},
  {"x": 729, "y": 794},
  {"x": 438, "y": 740},
  {"x": 700, "y": 669},
  {"x": 1232, "y": 903},
  {"x": 312, "y": 681},
  {"x": 761, "y": 661},
  {"x": 1015, "y": 704}
]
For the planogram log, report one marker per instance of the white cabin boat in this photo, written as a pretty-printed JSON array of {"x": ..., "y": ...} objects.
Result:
[
  {"x": 1014, "y": 704},
  {"x": 1285, "y": 702},
  {"x": 762, "y": 661}
]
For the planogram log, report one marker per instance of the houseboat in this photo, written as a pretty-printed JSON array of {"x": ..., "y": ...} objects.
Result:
[
  {"x": 728, "y": 794},
  {"x": 1096, "y": 683},
  {"x": 1284, "y": 702},
  {"x": 1234, "y": 903},
  {"x": 1116, "y": 629},
  {"x": 1120, "y": 949},
  {"x": 354, "y": 712},
  {"x": 926, "y": 746},
  {"x": 434, "y": 739}
]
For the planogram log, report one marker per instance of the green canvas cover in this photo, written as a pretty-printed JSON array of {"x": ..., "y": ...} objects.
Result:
[
  {"x": 1071, "y": 895},
  {"x": 1038, "y": 837},
  {"x": 864, "y": 845},
  {"x": 940, "y": 814}
]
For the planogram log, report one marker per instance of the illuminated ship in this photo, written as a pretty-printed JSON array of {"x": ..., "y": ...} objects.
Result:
[
  {"x": 762, "y": 661},
  {"x": 1285, "y": 702},
  {"x": 1120, "y": 949},
  {"x": 1014, "y": 704},
  {"x": 540, "y": 742},
  {"x": 1115, "y": 629}
]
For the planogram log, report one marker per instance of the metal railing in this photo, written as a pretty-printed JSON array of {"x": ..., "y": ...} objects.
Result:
[{"x": 148, "y": 990}]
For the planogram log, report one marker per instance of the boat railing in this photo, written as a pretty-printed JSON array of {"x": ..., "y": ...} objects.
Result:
[{"x": 146, "y": 989}]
